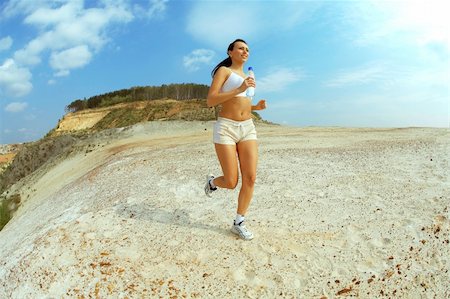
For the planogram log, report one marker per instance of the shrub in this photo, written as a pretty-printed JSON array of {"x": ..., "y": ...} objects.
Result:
[
  {"x": 5, "y": 214},
  {"x": 8, "y": 205}
]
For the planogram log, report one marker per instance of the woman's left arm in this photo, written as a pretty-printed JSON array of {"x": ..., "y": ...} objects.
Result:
[{"x": 260, "y": 106}]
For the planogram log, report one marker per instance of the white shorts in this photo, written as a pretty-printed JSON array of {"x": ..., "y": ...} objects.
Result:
[{"x": 228, "y": 131}]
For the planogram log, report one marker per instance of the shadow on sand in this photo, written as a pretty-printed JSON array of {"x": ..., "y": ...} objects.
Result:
[{"x": 179, "y": 217}]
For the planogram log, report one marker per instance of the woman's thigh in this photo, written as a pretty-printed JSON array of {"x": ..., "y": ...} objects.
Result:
[
  {"x": 228, "y": 161},
  {"x": 248, "y": 158}
]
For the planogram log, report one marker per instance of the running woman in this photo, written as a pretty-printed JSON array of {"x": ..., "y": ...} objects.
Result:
[{"x": 234, "y": 131}]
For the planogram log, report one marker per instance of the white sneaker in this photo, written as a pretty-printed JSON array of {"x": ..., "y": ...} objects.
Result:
[
  {"x": 208, "y": 189},
  {"x": 241, "y": 230}
]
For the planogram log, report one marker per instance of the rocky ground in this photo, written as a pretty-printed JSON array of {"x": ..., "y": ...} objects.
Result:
[{"x": 336, "y": 212}]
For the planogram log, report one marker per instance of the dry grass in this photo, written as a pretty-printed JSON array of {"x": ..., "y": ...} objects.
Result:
[{"x": 8, "y": 205}]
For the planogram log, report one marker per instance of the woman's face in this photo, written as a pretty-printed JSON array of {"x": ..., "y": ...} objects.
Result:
[{"x": 240, "y": 52}]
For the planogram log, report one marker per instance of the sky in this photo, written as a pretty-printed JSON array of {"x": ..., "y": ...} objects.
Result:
[{"x": 317, "y": 63}]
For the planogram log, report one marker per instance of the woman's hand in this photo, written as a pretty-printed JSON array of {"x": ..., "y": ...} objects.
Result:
[
  {"x": 260, "y": 106},
  {"x": 248, "y": 82}
]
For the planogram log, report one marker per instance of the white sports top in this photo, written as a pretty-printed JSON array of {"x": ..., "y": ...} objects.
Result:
[{"x": 233, "y": 81}]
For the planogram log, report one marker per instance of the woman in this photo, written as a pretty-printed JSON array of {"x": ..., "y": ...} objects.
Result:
[{"x": 234, "y": 132}]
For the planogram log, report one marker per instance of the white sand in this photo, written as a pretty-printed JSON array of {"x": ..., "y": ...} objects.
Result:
[{"x": 351, "y": 212}]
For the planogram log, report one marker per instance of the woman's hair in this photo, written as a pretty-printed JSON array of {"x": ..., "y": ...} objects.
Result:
[{"x": 227, "y": 61}]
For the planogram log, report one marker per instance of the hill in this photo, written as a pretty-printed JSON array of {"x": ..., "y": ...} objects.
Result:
[
  {"x": 127, "y": 114},
  {"x": 127, "y": 107},
  {"x": 185, "y": 91}
]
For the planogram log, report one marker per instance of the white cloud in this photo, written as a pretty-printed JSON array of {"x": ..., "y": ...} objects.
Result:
[
  {"x": 416, "y": 21},
  {"x": 30, "y": 55},
  {"x": 155, "y": 9},
  {"x": 68, "y": 29},
  {"x": 72, "y": 58},
  {"x": 5, "y": 43},
  {"x": 14, "y": 80},
  {"x": 428, "y": 19},
  {"x": 48, "y": 16},
  {"x": 358, "y": 76},
  {"x": 386, "y": 76},
  {"x": 17, "y": 7},
  {"x": 16, "y": 107},
  {"x": 279, "y": 79},
  {"x": 72, "y": 31},
  {"x": 77, "y": 26},
  {"x": 198, "y": 57},
  {"x": 220, "y": 22}
]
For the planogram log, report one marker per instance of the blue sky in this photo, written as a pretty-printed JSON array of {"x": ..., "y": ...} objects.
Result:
[{"x": 317, "y": 63}]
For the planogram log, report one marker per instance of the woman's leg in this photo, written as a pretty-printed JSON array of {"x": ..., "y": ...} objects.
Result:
[
  {"x": 229, "y": 163},
  {"x": 248, "y": 159}
]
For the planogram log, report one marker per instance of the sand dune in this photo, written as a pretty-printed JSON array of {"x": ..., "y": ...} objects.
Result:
[{"x": 336, "y": 212}]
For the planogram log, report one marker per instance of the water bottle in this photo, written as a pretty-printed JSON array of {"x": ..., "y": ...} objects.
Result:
[{"x": 251, "y": 90}]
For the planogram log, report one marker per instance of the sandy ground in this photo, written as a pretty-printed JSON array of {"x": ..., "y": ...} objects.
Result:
[{"x": 336, "y": 212}]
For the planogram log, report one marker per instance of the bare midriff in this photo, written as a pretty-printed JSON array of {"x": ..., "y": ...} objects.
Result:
[{"x": 238, "y": 109}]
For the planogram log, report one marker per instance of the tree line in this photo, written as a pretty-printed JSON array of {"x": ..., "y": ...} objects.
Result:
[{"x": 184, "y": 91}]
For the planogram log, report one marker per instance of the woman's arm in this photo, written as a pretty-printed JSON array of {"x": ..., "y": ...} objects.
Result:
[
  {"x": 215, "y": 97},
  {"x": 260, "y": 106}
]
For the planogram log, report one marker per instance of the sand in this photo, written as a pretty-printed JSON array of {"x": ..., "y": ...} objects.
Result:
[{"x": 336, "y": 212}]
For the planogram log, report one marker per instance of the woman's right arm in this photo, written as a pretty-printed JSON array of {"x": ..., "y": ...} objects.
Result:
[{"x": 215, "y": 97}]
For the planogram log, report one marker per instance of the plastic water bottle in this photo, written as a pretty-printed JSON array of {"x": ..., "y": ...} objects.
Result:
[{"x": 251, "y": 90}]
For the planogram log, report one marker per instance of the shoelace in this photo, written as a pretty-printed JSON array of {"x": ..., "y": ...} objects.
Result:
[{"x": 244, "y": 230}]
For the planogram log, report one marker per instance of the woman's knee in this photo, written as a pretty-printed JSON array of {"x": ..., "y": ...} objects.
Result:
[
  {"x": 230, "y": 182},
  {"x": 249, "y": 179}
]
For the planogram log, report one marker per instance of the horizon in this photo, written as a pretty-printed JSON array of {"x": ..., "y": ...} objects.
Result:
[{"x": 355, "y": 64}]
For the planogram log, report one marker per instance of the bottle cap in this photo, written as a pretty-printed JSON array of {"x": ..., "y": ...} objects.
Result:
[{"x": 250, "y": 68}]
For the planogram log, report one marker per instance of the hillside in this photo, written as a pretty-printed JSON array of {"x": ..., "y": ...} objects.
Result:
[
  {"x": 125, "y": 107},
  {"x": 127, "y": 114},
  {"x": 18, "y": 161},
  {"x": 7, "y": 154}
]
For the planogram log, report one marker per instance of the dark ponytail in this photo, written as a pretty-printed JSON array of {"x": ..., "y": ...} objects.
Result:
[{"x": 227, "y": 61}]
